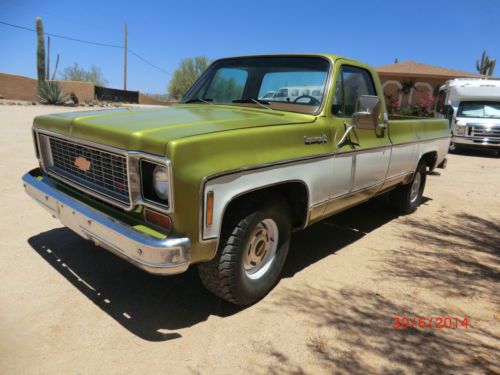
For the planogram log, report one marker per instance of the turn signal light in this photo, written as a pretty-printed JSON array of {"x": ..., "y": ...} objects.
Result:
[
  {"x": 156, "y": 218},
  {"x": 210, "y": 207}
]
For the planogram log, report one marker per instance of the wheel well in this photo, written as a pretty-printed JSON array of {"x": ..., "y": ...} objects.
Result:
[
  {"x": 430, "y": 159},
  {"x": 295, "y": 193}
]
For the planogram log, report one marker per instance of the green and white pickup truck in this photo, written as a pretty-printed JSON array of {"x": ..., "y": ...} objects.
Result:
[{"x": 259, "y": 146}]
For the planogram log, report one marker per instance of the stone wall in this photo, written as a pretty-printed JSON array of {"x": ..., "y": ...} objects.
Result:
[
  {"x": 82, "y": 90},
  {"x": 145, "y": 99},
  {"x": 16, "y": 87}
]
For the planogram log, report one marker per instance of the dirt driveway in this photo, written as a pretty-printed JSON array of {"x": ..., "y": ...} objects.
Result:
[{"x": 68, "y": 307}]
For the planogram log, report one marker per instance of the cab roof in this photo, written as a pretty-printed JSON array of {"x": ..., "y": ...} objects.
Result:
[{"x": 327, "y": 56}]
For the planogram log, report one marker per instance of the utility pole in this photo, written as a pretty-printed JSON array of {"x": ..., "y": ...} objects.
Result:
[
  {"x": 125, "y": 61},
  {"x": 47, "y": 74}
]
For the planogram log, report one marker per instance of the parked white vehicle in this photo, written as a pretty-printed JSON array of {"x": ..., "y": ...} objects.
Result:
[
  {"x": 473, "y": 108},
  {"x": 268, "y": 95},
  {"x": 293, "y": 93}
]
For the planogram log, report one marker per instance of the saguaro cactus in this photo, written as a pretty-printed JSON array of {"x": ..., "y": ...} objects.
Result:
[
  {"x": 40, "y": 52},
  {"x": 485, "y": 66},
  {"x": 491, "y": 68}
]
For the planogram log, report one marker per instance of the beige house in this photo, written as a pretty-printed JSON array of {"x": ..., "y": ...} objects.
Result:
[{"x": 410, "y": 81}]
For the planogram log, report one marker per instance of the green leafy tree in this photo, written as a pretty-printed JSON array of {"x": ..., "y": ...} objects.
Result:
[
  {"x": 185, "y": 75},
  {"x": 224, "y": 90},
  {"x": 75, "y": 73}
]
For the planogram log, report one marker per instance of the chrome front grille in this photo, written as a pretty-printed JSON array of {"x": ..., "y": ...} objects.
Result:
[
  {"x": 108, "y": 173},
  {"x": 102, "y": 171},
  {"x": 486, "y": 131}
]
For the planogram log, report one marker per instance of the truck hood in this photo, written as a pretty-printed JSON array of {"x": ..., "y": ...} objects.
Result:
[{"x": 150, "y": 129}]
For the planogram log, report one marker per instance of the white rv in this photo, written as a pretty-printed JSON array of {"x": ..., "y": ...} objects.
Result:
[{"x": 473, "y": 108}]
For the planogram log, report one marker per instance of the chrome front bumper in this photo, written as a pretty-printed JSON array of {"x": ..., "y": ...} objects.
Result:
[
  {"x": 157, "y": 256},
  {"x": 476, "y": 141}
]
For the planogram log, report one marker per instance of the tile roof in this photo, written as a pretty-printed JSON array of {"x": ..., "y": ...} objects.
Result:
[{"x": 418, "y": 69}]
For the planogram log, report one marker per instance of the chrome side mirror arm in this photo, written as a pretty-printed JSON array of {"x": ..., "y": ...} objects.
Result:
[
  {"x": 346, "y": 138},
  {"x": 383, "y": 125}
]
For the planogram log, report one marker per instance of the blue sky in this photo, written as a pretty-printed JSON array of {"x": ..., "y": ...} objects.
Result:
[{"x": 447, "y": 33}]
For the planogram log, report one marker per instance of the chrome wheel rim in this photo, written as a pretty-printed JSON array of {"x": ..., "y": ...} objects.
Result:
[
  {"x": 415, "y": 187},
  {"x": 261, "y": 249}
]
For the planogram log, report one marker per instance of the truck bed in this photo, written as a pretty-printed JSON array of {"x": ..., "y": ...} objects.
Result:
[{"x": 404, "y": 129}]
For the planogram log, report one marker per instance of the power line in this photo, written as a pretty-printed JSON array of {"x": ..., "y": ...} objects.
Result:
[
  {"x": 88, "y": 42},
  {"x": 63, "y": 37},
  {"x": 147, "y": 62}
]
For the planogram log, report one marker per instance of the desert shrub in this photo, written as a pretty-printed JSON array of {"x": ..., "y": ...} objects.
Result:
[
  {"x": 51, "y": 93},
  {"x": 392, "y": 104},
  {"x": 424, "y": 107},
  {"x": 405, "y": 110}
]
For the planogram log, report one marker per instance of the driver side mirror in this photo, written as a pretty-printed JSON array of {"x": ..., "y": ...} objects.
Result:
[
  {"x": 447, "y": 111},
  {"x": 367, "y": 112}
]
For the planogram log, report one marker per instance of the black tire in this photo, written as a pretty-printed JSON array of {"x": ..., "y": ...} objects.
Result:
[
  {"x": 402, "y": 197},
  {"x": 225, "y": 275}
]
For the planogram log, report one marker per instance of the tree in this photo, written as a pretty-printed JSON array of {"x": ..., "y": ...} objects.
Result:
[
  {"x": 185, "y": 75},
  {"x": 40, "y": 53},
  {"x": 75, "y": 73},
  {"x": 224, "y": 89},
  {"x": 485, "y": 66}
]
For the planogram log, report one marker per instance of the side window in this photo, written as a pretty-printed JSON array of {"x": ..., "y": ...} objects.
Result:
[{"x": 351, "y": 84}]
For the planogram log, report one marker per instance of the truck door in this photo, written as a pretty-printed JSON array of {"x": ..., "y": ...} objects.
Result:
[{"x": 366, "y": 151}]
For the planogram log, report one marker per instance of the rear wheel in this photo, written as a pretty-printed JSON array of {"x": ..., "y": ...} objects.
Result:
[
  {"x": 407, "y": 198},
  {"x": 251, "y": 254}
]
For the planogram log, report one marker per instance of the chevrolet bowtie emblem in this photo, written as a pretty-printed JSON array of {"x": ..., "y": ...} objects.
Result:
[{"x": 82, "y": 164}]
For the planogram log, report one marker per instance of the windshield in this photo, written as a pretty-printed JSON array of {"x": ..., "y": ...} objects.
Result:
[
  {"x": 479, "y": 109},
  {"x": 292, "y": 83}
]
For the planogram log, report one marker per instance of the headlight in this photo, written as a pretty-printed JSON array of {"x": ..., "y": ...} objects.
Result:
[
  {"x": 160, "y": 182},
  {"x": 460, "y": 130}
]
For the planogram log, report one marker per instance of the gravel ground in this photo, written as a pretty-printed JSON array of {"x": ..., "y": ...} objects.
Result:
[{"x": 68, "y": 307}]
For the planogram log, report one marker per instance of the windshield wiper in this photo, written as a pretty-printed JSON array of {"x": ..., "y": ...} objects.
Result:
[
  {"x": 199, "y": 100},
  {"x": 256, "y": 101}
]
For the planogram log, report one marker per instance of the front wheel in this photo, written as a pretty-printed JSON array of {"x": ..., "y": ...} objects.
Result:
[
  {"x": 454, "y": 148},
  {"x": 251, "y": 254},
  {"x": 407, "y": 198}
]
